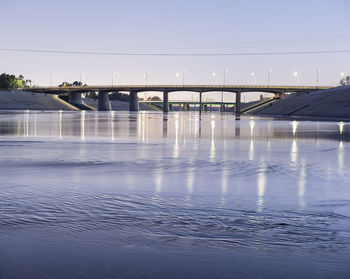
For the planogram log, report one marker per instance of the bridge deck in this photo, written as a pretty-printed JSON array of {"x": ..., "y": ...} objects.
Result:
[{"x": 176, "y": 88}]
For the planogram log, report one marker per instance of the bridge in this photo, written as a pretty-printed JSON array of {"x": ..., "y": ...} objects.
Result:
[{"x": 75, "y": 92}]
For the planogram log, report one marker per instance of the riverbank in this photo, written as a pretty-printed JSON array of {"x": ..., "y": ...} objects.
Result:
[
  {"x": 332, "y": 104},
  {"x": 19, "y": 100}
]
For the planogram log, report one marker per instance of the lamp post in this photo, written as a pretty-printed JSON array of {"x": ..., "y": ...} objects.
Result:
[
  {"x": 296, "y": 74},
  {"x": 317, "y": 79},
  {"x": 216, "y": 79},
  {"x": 268, "y": 77},
  {"x": 254, "y": 77},
  {"x": 179, "y": 77},
  {"x": 113, "y": 78},
  {"x": 146, "y": 77},
  {"x": 222, "y": 92},
  {"x": 183, "y": 77}
]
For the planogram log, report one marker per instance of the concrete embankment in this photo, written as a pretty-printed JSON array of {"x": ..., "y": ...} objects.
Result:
[
  {"x": 331, "y": 103},
  {"x": 19, "y": 100}
]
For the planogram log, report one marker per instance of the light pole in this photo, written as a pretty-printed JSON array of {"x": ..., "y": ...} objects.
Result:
[
  {"x": 216, "y": 79},
  {"x": 222, "y": 92},
  {"x": 254, "y": 77},
  {"x": 113, "y": 78},
  {"x": 317, "y": 79},
  {"x": 82, "y": 76},
  {"x": 147, "y": 76},
  {"x": 225, "y": 71},
  {"x": 268, "y": 78},
  {"x": 183, "y": 77},
  {"x": 296, "y": 74},
  {"x": 179, "y": 77}
]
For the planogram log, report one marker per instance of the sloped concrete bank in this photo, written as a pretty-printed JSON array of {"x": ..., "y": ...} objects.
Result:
[
  {"x": 331, "y": 103},
  {"x": 19, "y": 100}
]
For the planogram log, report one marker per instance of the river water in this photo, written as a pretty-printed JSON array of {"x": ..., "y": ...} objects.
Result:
[{"x": 147, "y": 195}]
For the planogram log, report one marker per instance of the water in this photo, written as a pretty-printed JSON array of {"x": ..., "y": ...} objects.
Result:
[{"x": 142, "y": 195}]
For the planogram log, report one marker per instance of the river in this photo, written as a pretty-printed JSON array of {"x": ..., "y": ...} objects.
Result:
[{"x": 147, "y": 195}]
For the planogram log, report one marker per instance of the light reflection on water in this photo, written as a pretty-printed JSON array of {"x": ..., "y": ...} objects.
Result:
[{"x": 211, "y": 181}]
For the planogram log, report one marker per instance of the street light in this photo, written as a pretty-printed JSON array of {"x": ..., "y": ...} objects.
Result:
[
  {"x": 254, "y": 77},
  {"x": 318, "y": 73},
  {"x": 296, "y": 74},
  {"x": 225, "y": 71},
  {"x": 146, "y": 76},
  {"x": 216, "y": 79},
  {"x": 183, "y": 77},
  {"x": 179, "y": 77},
  {"x": 222, "y": 92},
  {"x": 82, "y": 76},
  {"x": 113, "y": 78},
  {"x": 268, "y": 77}
]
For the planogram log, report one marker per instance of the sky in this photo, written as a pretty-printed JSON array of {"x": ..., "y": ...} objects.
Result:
[{"x": 177, "y": 26}]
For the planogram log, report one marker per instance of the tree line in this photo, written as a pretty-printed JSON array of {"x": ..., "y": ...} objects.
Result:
[{"x": 10, "y": 82}]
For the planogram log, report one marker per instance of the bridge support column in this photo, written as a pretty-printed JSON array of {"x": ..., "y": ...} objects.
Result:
[
  {"x": 134, "y": 102},
  {"x": 238, "y": 103},
  {"x": 165, "y": 101},
  {"x": 103, "y": 102},
  {"x": 200, "y": 102},
  {"x": 75, "y": 98}
]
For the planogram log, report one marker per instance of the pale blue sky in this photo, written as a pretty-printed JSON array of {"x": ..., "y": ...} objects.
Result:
[{"x": 175, "y": 26}]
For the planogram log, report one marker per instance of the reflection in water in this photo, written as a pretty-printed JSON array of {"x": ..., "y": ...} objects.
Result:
[
  {"x": 294, "y": 151},
  {"x": 141, "y": 126},
  {"x": 212, "y": 145},
  {"x": 340, "y": 156},
  {"x": 82, "y": 125},
  {"x": 35, "y": 123},
  {"x": 176, "y": 144},
  {"x": 301, "y": 184},
  {"x": 225, "y": 193},
  {"x": 190, "y": 179},
  {"x": 261, "y": 182},
  {"x": 268, "y": 139},
  {"x": 175, "y": 126},
  {"x": 224, "y": 184},
  {"x": 251, "y": 146},
  {"x": 60, "y": 124},
  {"x": 341, "y": 127},
  {"x": 294, "y": 127},
  {"x": 159, "y": 178},
  {"x": 111, "y": 119}
]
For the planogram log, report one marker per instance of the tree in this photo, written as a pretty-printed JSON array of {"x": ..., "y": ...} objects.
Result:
[
  {"x": 75, "y": 83},
  {"x": 9, "y": 82},
  {"x": 345, "y": 81}
]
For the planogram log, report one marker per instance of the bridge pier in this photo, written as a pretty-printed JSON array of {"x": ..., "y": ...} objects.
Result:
[
  {"x": 75, "y": 98},
  {"x": 134, "y": 102},
  {"x": 165, "y": 101},
  {"x": 238, "y": 103},
  {"x": 103, "y": 102}
]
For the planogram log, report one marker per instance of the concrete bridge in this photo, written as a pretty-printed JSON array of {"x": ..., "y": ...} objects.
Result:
[{"x": 75, "y": 92}]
